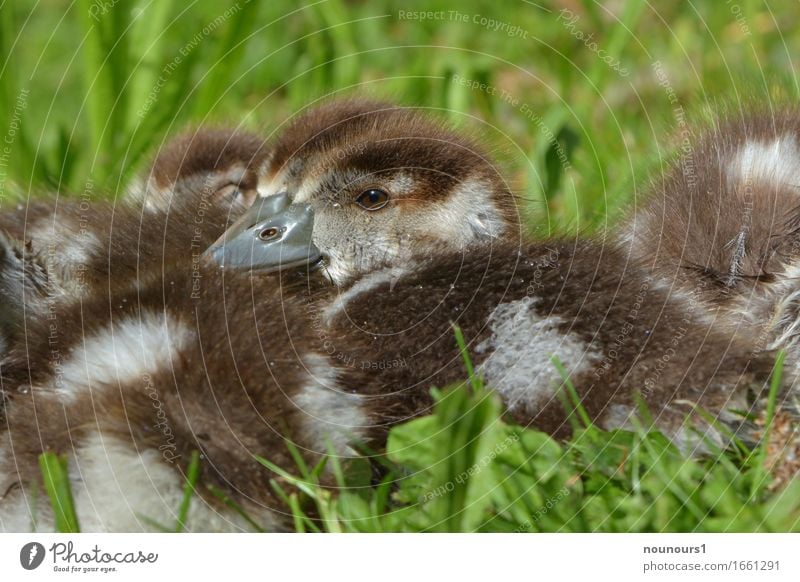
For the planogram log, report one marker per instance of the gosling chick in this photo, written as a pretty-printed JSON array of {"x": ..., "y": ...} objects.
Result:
[
  {"x": 65, "y": 250},
  {"x": 164, "y": 330},
  {"x": 248, "y": 366},
  {"x": 721, "y": 223},
  {"x": 721, "y": 227}
]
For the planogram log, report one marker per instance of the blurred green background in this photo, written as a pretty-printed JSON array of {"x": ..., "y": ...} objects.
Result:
[{"x": 581, "y": 100}]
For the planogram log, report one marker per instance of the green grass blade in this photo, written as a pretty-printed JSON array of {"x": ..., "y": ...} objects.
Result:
[
  {"x": 297, "y": 482},
  {"x": 189, "y": 489},
  {"x": 301, "y": 520},
  {"x": 56, "y": 483},
  {"x": 227, "y": 58},
  {"x": 474, "y": 381},
  {"x": 761, "y": 472},
  {"x": 148, "y": 46},
  {"x": 572, "y": 393},
  {"x": 219, "y": 494},
  {"x": 98, "y": 86}
]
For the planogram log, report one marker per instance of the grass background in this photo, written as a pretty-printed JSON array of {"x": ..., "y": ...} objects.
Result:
[{"x": 90, "y": 88}]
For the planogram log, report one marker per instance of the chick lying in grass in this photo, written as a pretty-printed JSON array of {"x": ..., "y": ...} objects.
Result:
[
  {"x": 60, "y": 250},
  {"x": 722, "y": 227},
  {"x": 394, "y": 229},
  {"x": 148, "y": 342}
]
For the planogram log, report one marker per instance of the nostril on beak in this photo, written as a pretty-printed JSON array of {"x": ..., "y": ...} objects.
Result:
[{"x": 269, "y": 234}]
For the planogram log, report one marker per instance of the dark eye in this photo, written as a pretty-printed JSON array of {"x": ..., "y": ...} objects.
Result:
[{"x": 372, "y": 199}]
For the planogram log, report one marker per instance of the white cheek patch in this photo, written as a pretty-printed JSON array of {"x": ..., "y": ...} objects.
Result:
[
  {"x": 468, "y": 215},
  {"x": 337, "y": 269},
  {"x": 333, "y": 416},
  {"x": 519, "y": 352},
  {"x": 775, "y": 162},
  {"x": 124, "y": 352}
]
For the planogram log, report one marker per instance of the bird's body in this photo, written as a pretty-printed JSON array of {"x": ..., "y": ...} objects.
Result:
[
  {"x": 64, "y": 250},
  {"x": 237, "y": 355},
  {"x": 618, "y": 332},
  {"x": 721, "y": 223},
  {"x": 177, "y": 329},
  {"x": 325, "y": 373}
]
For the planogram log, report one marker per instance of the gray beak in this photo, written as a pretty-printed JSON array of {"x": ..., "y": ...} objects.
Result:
[{"x": 272, "y": 235}]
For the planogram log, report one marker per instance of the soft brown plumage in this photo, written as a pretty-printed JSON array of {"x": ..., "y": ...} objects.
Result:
[{"x": 241, "y": 364}]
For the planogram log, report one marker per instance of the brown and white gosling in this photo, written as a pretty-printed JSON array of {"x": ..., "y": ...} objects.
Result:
[
  {"x": 721, "y": 227},
  {"x": 62, "y": 250},
  {"x": 247, "y": 361},
  {"x": 197, "y": 348}
]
